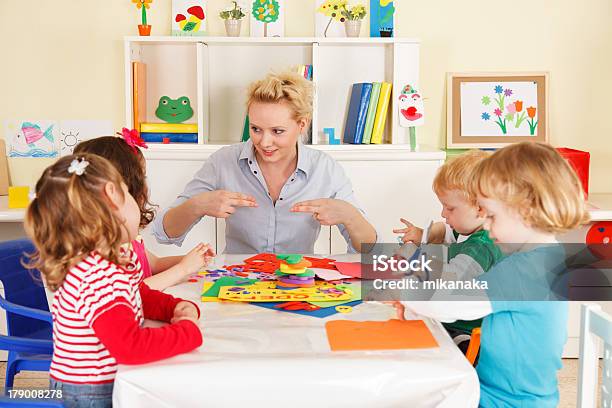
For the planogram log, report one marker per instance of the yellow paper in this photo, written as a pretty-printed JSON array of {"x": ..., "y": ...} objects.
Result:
[
  {"x": 284, "y": 268},
  {"x": 18, "y": 197},
  {"x": 254, "y": 293},
  {"x": 205, "y": 288}
]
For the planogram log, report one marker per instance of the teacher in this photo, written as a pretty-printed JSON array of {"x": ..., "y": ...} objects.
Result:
[{"x": 274, "y": 192}]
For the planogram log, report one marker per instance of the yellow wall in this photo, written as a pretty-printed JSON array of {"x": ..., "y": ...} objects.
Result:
[{"x": 63, "y": 59}]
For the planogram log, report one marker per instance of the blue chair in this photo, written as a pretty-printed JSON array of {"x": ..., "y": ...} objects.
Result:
[
  {"x": 6, "y": 402},
  {"x": 29, "y": 324}
]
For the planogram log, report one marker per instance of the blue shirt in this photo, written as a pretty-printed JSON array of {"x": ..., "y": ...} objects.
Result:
[
  {"x": 269, "y": 227},
  {"x": 522, "y": 340}
]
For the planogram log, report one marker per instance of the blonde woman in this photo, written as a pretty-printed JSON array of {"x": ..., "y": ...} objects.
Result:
[{"x": 274, "y": 192}]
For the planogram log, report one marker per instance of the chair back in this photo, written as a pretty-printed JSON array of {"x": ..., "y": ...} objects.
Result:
[
  {"x": 21, "y": 286},
  {"x": 595, "y": 327}
]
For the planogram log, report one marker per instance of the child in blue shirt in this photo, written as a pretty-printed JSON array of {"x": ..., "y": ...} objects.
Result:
[{"x": 529, "y": 194}]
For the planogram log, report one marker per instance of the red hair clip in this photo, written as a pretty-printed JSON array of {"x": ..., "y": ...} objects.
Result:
[{"x": 132, "y": 138}]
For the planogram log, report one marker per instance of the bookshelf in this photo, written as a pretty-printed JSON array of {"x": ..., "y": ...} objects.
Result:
[{"x": 214, "y": 73}]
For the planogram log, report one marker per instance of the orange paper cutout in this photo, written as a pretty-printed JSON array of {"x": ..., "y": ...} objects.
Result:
[{"x": 394, "y": 334}]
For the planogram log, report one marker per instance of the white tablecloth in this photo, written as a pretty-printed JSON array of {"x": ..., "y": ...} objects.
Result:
[{"x": 256, "y": 357}]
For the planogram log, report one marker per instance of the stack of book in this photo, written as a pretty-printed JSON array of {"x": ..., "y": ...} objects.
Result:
[
  {"x": 305, "y": 71},
  {"x": 169, "y": 132},
  {"x": 367, "y": 114},
  {"x": 156, "y": 132}
]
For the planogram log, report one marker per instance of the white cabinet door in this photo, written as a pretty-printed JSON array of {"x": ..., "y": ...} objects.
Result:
[
  {"x": 167, "y": 179},
  {"x": 388, "y": 190}
]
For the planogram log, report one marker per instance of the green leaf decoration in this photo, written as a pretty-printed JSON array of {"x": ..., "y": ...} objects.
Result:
[
  {"x": 189, "y": 26},
  {"x": 265, "y": 11}
]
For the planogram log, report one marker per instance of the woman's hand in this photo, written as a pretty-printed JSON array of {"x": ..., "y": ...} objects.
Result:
[
  {"x": 222, "y": 203},
  {"x": 197, "y": 258},
  {"x": 411, "y": 233},
  {"x": 328, "y": 211}
]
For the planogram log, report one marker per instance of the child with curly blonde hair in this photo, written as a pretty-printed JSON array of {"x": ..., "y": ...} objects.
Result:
[
  {"x": 529, "y": 194},
  {"x": 80, "y": 222}
]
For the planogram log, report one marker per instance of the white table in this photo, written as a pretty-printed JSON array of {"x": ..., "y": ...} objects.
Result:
[{"x": 256, "y": 357}]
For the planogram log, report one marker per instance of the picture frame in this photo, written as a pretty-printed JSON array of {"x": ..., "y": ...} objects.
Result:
[{"x": 493, "y": 110}]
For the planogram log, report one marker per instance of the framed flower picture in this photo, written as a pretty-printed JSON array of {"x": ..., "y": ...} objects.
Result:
[{"x": 494, "y": 110}]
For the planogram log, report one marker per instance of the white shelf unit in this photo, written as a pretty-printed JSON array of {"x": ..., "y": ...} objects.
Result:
[{"x": 214, "y": 72}]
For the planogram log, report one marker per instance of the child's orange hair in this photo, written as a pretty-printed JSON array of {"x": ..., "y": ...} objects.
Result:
[
  {"x": 533, "y": 179},
  {"x": 457, "y": 174}
]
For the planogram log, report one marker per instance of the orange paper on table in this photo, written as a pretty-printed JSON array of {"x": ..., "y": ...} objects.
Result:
[{"x": 393, "y": 334}]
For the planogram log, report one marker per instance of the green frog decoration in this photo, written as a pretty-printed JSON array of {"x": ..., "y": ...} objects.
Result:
[{"x": 174, "y": 110}]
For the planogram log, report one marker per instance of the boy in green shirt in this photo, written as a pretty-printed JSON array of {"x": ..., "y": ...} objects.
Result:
[{"x": 470, "y": 252}]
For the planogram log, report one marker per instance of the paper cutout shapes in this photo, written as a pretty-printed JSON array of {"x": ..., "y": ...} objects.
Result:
[{"x": 255, "y": 293}]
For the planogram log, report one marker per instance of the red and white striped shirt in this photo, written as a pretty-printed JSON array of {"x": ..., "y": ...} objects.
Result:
[{"x": 98, "y": 313}]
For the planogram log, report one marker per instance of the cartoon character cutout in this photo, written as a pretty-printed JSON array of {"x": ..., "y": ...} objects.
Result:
[
  {"x": 174, "y": 110},
  {"x": 411, "y": 108}
]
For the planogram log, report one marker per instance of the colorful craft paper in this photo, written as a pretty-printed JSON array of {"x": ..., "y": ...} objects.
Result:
[
  {"x": 354, "y": 288},
  {"x": 346, "y": 335},
  {"x": 255, "y": 293},
  {"x": 213, "y": 291},
  {"x": 320, "y": 313}
]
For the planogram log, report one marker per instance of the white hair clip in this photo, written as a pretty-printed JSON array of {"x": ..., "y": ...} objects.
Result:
[{"x": 78, "y": 166}]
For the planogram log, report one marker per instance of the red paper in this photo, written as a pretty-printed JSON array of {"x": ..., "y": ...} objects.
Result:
[{"x": 349, "y": 268}]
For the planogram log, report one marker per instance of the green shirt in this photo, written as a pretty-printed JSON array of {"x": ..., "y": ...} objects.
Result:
[{"x": 481, "y": 248}]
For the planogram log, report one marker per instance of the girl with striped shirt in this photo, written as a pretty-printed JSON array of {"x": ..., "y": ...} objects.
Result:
[{"x": 80, "y": 221}]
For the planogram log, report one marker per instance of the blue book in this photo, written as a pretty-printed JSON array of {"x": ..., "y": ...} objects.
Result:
[
  {"x": 364, "y": 102},
  {"x": 151, "y": 137},
  {"x": 350, "y": 126}
]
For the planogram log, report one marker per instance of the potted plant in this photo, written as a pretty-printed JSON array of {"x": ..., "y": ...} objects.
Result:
[
  {"x": 353, "y": 17},
  {"x": 233, "y": 18},
  {"x": 144, "y": 28}
]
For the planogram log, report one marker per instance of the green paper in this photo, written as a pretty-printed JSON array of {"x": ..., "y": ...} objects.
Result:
[
  {"x": 227, "y": 281},
  {"x": 369, "y": 124},
  {"x": 412, "y": 131},
  {"x": 354, "y": 287},
  {"x": 291, "y": 259}
]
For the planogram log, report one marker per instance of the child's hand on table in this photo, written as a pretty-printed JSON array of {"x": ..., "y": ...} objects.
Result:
[
  {"x": 411, "y": 233},
  {"x": 197, "y": 258},
  {"x": 185, "y": 311}
]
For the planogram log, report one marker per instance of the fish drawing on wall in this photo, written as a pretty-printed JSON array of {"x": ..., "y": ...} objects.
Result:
[{"x": 32, "y": 140}]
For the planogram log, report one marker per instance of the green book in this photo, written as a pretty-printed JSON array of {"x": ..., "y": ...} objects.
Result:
[
  {"x": 245, "y": 131},
  {"x": 369, "y": 124}
]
